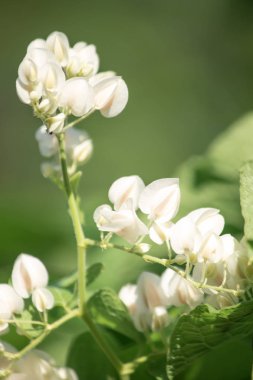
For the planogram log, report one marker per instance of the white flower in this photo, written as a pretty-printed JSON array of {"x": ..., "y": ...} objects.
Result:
[
  {"x": 160, "y": 200},
  {"x": 42, "y": 299},
  {"x": 160, "y": 232},
  {"x": 76, "y": 96},
  {"x": 58, "y": 43},
  {"x": 185, "y": 238},
  {"x": 179, "y": 291},
  {"x": 110, "y": 94},
  {"x": 48, "y": 144},
  {"x": 52, "y": 78},
  {"x": 123, "y": 223},
  {"x": 83, "y": 60},
  {"x": 28, "y": 274},
  {"x": 79, "y": 146},
  {"x": 207, "y": 220},
  {"x": 211, "y": 249},
  {"x": 149, "y": 291},
  {"x": 125, "y": 189},
  {"x": 128, "y": 296},
  {"x": 47, "y": 105},
  {"x": 228, "y": 246},
  {"x": 10, "y": 303},
  {"x": 160, "y": 318},
  {"x": 56, "y": 123}
]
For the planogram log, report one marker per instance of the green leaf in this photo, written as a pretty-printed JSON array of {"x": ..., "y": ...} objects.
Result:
[
  {"x": 25, "y": 326},
  {"x": 62, "y": 297},
  {"x": 87, "y": 359},
  {"x": 93, "y": 272},
  {"x": 246, "y": 192},
  {"x": 107, "y": 310},
  {"x": 204, "y": 329}
]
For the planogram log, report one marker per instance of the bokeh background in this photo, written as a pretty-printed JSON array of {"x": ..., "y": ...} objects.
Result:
[{"x": 189, "y": 68}]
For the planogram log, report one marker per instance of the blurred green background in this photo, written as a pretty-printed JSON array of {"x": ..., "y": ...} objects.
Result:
[{"x": 189, "y": 68}]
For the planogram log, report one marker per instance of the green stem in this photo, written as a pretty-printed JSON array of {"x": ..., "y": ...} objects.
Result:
[
  {"x": 79, "y": 234},
  {"x": 77, "y": 121}
]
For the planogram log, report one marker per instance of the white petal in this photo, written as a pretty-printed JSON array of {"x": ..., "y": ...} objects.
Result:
[
  {"x": 52, "y": 77},
  {"x": 149, "y": 291},
  {"x": 27, "y": 72},
  {"x": 10, "y": 301},
  {"x": 48, "y": 144},
  {"x": 207, "y": 220},
  {"x": 117, "y": 101},
  {"x": 126, "y": 188},
  {"x": 211, "y": 249},
  {"x": 76, "y": 96},
  {"x": 23, "y": 93},
  {"x": 160, "y": 232},
  {"x": 39, "y": 43},
  {"x": 128, "y": 295},
  {"x": 40, "y": 56},
  {"x": 56, "y": 123},
  {"x": 185, "y": 237},
  {"x": 58, "y": 43},
  {"x": 104, "y": 91},
  {"x": 79, "y": 146},
  {"x": 42, "y": 299},
  {"x": 229, "y": 245},
  {"x": 28, "y": 274},
  {"x": 95, "y": 79},
  {"x": 160, "y": 200},
  {"x": 160, "y": 318}
]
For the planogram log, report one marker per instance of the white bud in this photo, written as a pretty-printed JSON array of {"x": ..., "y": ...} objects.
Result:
[
  {"x": 28, "y": 274},
  {"x": 48, "y": 144},
  {"x": 28, "y": 73},
  {"x": 179, "y": 291},
  {"x": 142, "y": 247},
  {"x": 160, "y": 200},
  {"x": 123, "y": 223},
  {"x": 47, "y": 105},
  {"x": 125, "y": 189},
  {"x": 128, "y": 296},
  {"x": 207, "y": 220},
  {"x": 111, "y": 95},
  {"x": 58, "y": 43},
  {"x": 52, "y": 78},
  {"x": 83, "y": 60},
  {"x": 56, "y": 123},
  {"x": 160, "y": 318},
  {"x": 39, "y": 43},
  {"x": 160, "y": 232},
  {"x": 42, "y": 299},
  {"x": 79, "y": 146},
  {"x": 10, "y": 303},
  {"x": 76, "y": 96}
]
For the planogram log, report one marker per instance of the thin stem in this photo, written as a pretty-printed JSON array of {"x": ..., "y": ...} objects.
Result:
[
  {"x": 80, "y": 238},
  {"x": 77, "y": 121}
]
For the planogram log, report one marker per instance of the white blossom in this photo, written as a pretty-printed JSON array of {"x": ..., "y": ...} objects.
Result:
[
  {"x": 28, "y": 274},
  {"x": 128, "y": 295},
  {"x": 56, "y": 123},
  {"x": 10, "y": 303},
  {"x": 160, "y": 232},
  {"x": 76, "y": 96},
  {"x": 125, "y": 189},
  {"x": 123, "y": 223},
  {"x": 58, "y": 43},
  {"x": 42, "y": 299},
  {"x": 110, "y": 94},
  {"x": 211, "y": 249},
  {"x": 207, "y": 220},
  {"x": 79, "y": 146},
  {"x": 83, "y": 60},
  {"x": 52, "y": 78},
  {"x": 48, "y": 144},
  {"x": 179, "y": 291},
  {"x": 160, "y": 200}
]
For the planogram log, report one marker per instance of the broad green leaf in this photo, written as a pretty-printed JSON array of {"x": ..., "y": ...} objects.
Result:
[
  {"x": 205, "y": 329},
  {"x": 87, "y": 359},
  {"x": 107, "y": 310},
  {"x": 25, "y": 326},
  {"x": 246, "y": 191},
  {"x": 62, "y": 297},
  {"x": 93, "y": 272}
]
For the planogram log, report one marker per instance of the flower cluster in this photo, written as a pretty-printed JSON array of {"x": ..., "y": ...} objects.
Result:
[
  {"x": 194, "y": 241},
  {"x": 79, "y": 149},
  {"x": 148, "y": 301},
  {"x": 35, "y": 365},
  {"x": 29, "y": 279},
  {"x": 58, "y": 80}
]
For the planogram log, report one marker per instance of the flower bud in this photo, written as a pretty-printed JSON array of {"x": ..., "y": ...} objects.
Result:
[
  {"x": 47, "y": 106},
  {"x": 160, "y": 200},
  {"x": 58, "y": 43},
  {"x": 76, "y": 96},
  {"x": 111, "y": 95},
  {"x": 28, "y": 274},
  {"x": 83, "y": 60},
  {"x": 142, "y": 247},
  {"x": 207, "y": 220},
  {"x": 42, "y": 299},
  {"x": 79, "y": 146},
  {"x": 56, "y": 123},
  {"x": 125, "y": 189}
]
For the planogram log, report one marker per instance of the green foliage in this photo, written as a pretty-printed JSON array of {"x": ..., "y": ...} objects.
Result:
[
  {"x": 93, "y": 272},
  {"x": 62, "y": 297},
  {"x": 88, "y": 360},
  {"x": 107, "y": 310},
  {"x": 25, "y": 326},
  {"x": 205, "y": 329},
  {"x": 246, "y": 191}
]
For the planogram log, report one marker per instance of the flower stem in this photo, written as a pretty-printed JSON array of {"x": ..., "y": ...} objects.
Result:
[{"x": 79, "y": 234}]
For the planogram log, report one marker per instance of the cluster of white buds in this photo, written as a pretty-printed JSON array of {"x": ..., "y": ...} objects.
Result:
[
  {"x": 159, "y": 200},
  {"x": 36, "y": 365},
  {"x": 79, "y": 149},
  {"x": 29, "y": 279},
  {"x": 148, "y": 301},
  {"x": 58, "y": 80}
]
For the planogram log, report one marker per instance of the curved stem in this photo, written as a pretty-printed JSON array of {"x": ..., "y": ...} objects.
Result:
[{"x": 79, "y": 234}]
